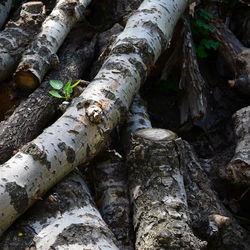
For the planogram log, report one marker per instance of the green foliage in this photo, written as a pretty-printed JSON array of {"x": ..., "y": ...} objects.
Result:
[
  {"x": 66, "y": 90},
  {"x": 168, "y": 85},
  {"x": 202, "y": 29}
]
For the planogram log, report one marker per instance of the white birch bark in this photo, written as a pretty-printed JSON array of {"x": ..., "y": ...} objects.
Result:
[
  {"x": 41, "y": 54},
  {"x": 80, "y": 133},
  {"x": 66, "y": 218},
  {"x": 5, "y": 7},
  {"x": 157, "y": 192},
  {"x": 17, "y": 35}
]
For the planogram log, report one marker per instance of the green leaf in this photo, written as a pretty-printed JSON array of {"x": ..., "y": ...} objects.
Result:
[
  {"x": 201, "y": 52},
  {"x": 55, "y": 94},
  {"x": 56, "y": 84},
  {"x": 206, "y": 15}
]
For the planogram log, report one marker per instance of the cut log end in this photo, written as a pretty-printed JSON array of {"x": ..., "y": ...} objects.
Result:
[
  {"x": 156, "y": 134},
  {"x": 26, "y": 80}
]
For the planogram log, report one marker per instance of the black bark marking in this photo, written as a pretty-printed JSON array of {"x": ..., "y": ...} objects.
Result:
[
  {"x": 70, "y": 153},
  {"x": 36, "y": 153},
  {"x": 18, "y": 195}
]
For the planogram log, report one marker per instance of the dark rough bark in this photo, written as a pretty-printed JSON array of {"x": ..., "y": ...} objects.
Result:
[
  {"x": 193, "y": 102},
  {"x": 209, "y": 218},
  {"x": 65, "y": 219},
  {"x": 238, "y": 170},
  {"x": 17, "y": 35},
  {"x": 111, "y": 194},
  {"x": 157, "y": 192},
  {"x": 234, "y": 54},
  {"x": 34, "y": 114}
]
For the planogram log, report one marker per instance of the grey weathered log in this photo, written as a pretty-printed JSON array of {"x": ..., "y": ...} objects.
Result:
[
  {"x": 160, "y": 209},
  {"x": 237, "y": 171},
  {"x": 81, "y": 132},
  {"x": 5, "y": 6},
  {"x": 33, "y": 114},
  {"x": 234, "y": 54},
  {"x": 111, "y": 194},
  {"x": 41, "y": 56},
  {"x": 17, "y": 35},
  {"x": 210, "y": 220},
  {"x": 66, "y": 218},
  {"x": 192, "y": 83}
]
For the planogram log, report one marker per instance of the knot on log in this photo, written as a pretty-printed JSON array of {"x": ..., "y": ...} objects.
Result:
[{"x": 94, "y": 112}]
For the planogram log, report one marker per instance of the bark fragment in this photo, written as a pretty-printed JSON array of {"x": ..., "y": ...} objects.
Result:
[
  {"x": 146, "y": 35},
  {"x": 193, "y": 103},
  {"x": 157, "y": 192},
  {"x": 17, "y": 35},
  {"x": 65, "y": 219},
  {"x": 41, "y": 54},
  {"x": 33, "y": 114}
]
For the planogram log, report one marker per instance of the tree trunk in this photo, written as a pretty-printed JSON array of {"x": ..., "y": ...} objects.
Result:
[
  {"x": 41, "y": 54},
  {"x": 111, "y": 194},
  {"x": 65, "y": 219},
  {"x": 17, "y": 35},
  {"x": 157, "y": 192},
  {"x": 34, "y": 114},
  {"x": 5, "y": 7},
  {"x": 238, "y": 170},
  {"x": 81, "y": 132}
]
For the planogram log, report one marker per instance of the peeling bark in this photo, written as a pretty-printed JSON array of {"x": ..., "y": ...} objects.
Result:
[
  {"x": 41, "y": 56},
  {"x": 157, "y": 192},
  {"x": 238, "y": 170},
  {"x": 65, "y": 219},
  {"x": 111, "y": 194},
  {"x": 209, "y": 218},
  {"x": 81, "y": 132},
  {"x": 193, "y": 103},
  {"x": 5, "y": 6},
  {"x": 34, "y": 114},
  {"x": 17, "y": 35}
]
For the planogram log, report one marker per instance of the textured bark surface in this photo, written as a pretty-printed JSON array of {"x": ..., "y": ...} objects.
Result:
[
  {"x": 41, "y": 53},
  {"x": 238, "y": 170},
  {"x": 17, "y": 35},
  {"x": 235, "y": 55},
  {"x": 34, "y": 114},
  {"x": 160, "y": 210},
  {"x": 81, "y": 132},
  {"x": 209, "y": 218},
  {"x": 111, "y": 193},
  {"x": 5, "y": 6},
  {"x": 65, "y": 219},
  {"x": 193, "y": 103}
]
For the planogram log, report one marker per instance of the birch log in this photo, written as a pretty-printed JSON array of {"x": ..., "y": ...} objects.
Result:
[
  {"x": 65, "y": 219},
  {"x": 33, "y": 115},
  {"x": 210, "y": 220},
  {"x": 5, "y": 6},
  {"x": 111, "y": 194},
  {"x": 40, "y": 56},
  {"x": 238, "y": 170},
  {"x": 81, "y": 132},
  {"x": 17, "y": 35},
  {"x": 160, "y": 211}
]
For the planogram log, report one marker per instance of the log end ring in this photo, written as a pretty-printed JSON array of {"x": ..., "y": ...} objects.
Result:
[{"x": 156, "y": 134}]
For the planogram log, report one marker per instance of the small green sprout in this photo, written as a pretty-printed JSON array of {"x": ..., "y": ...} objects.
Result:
[{"x": 66, "y": 90}]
